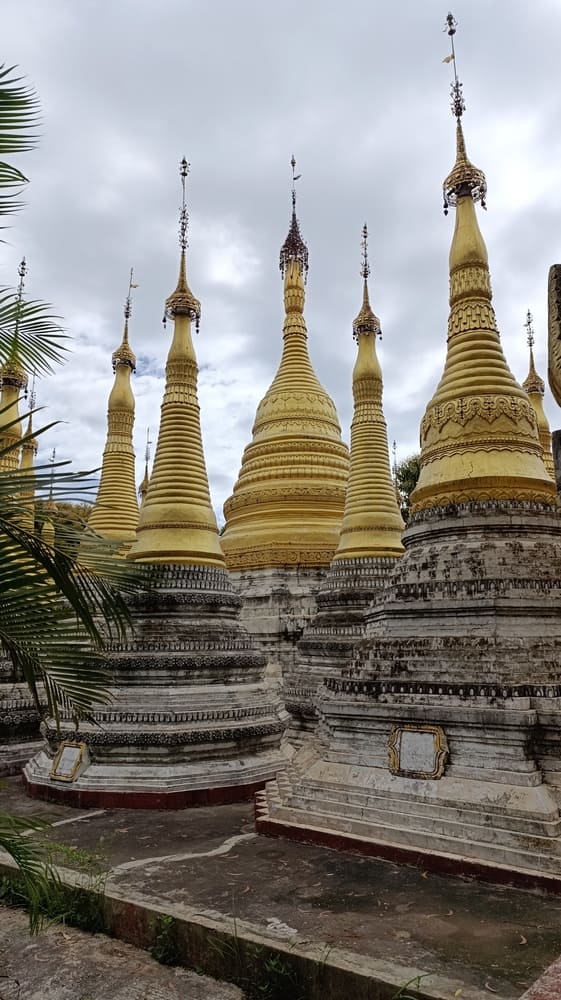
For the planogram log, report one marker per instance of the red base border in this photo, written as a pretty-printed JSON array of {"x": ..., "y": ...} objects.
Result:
[
  {"x": 84, "y": 798},
  {"x": 439, "y": 863}
]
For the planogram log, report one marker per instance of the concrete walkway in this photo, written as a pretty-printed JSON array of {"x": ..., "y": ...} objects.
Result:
[
  {"x": 460, "y": 934},
  {"x": 62, "y": 963}
]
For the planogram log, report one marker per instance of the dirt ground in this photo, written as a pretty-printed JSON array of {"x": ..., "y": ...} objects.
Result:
[{"x": 63, "y": 963}]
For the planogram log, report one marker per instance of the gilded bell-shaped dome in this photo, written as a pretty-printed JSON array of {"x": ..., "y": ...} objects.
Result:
[
  {"x": 479, "y": 437},
  {"x": 287, "y": 504}
]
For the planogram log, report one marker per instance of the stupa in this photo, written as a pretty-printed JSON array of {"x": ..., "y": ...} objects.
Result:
[
  {"x": 114, "y": 515},
  {"x": 370, "y": 540},
  {"x": 440, "y": 744},
  {"x": 535, "y": 387},
  {"x": 193, "y": 719},
  {"x": 554, "y": 356},
  {"x": 145, "y": 483},
  {"x": 19, "y": 719},
  {"x": 284, "y": 515},
  {"x": 14, "y": 382}
]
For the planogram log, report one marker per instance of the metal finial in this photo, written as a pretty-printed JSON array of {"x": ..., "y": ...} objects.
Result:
[
  {"x": 183, "y": 215},
  {"x": 128, "y": 303},
  {"x": 366, "y": 322},
  {"x": 295, "y": 177},
  {"x": 294, "y": 247},
  {"x": 32, "y": 394},
  {"x": 22, "y": 271},
  {"x": 465, "y": 178},
  {"x": 529, "y": 329},
  {"x": 457, "y": 103},
  {"x": 394, "y": 461},
  {"x": 148, "y": 443},
  {"x": 365, "y": 266},
  {"x": 52, "y": 463}
]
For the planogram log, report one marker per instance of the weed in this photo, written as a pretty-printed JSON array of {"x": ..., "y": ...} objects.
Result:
[
  {"x": 78, "y": 858},
  {"x": 165, "y": 946},
  {"x": 260, "y": 973},
  {"x": 415, "y": 982}
]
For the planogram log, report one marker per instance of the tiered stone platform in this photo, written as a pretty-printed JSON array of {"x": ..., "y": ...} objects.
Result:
[
  {"x": 19, "y": 722},
  {"x": 443, "y": 737},
  {"x": 329, "y": 640},
  {"x": 194, "y": 719}
]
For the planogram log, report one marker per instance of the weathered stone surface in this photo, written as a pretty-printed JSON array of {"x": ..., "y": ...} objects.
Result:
[
  {"x": 192, "y": 710},
  {"x": 19, "y": 722},
  {"x": 329, "y": 640},
  {"x": 277, "y": 606},
  {"x": 466, "y": 637}
]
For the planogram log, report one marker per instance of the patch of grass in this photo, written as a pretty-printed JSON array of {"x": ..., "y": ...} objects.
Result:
[
  {"x": 59, "y": 903},
  {"x": 165, "y": 945},
  {"x": 51, "y": 900},
  {"x": 259, "y": 972},
  {"x": 78, "y": 858}
]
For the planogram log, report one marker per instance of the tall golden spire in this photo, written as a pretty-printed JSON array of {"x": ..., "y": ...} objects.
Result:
[
  {"x": 535, "y": 387},
  {"x": 372, "y": 522},
  {"x": 177, "y": 522},
  {"x": 115, "y": 512},
  {"x": 14, "y": 380},
  {"x": 28, "y": 453},
  {"x": 479, "y": 437},
  {"x": 48, "y": 529},
  {"x": 287, "y": 503},
  {"x": 143, "y": 488}
]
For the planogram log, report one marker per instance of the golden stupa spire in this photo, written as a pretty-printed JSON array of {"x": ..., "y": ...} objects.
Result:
[
  {"x": 479, "y": 438},
  {"x": 14, "y": 380},
  {"x": 143, "y": 488},
  {"x": 48, "y": 529},
  {"x": 177, "y": 523},
  {"x": 395, "y": 475},
  {"x": 372, "y": 522},
  {"x": 535, "y": 387},
  {"x": 287, "y": 503},
  {"x": 115, "y": 513},
  {"x": 28, "y": 452}
]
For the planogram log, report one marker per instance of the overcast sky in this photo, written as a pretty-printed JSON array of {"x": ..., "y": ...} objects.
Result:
[{"x": 359, "y": 93}]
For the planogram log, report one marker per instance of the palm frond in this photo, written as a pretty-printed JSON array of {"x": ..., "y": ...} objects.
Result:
[
  {"x": 34, "y": 329},
  {"x": 19, "y": 119},
  {"x": 19, "y": 113},
  {"x": 37, "y": 875}
]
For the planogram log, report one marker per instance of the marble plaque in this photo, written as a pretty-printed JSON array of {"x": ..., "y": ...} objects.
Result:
[
  {"x": 417, "y": 751},
  {"x": 67, "y": 761}
]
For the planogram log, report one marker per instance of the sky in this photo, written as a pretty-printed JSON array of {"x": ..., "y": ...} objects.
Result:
[{"x": 359, "y": 94}]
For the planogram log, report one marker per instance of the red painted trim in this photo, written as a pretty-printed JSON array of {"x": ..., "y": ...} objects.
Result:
[
  {"x": 439, "y": 863},
  {"x": 85, "y": 798}
]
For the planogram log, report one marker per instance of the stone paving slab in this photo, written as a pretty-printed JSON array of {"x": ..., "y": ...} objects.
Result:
[
  {"x": 483, "y": 940},
  {"x": 63, "y": 963}
]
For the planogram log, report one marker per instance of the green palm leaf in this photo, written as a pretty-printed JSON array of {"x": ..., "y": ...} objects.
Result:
[
  {"x": 32, "y": 331},
  {"x": 19, "y": 119}
]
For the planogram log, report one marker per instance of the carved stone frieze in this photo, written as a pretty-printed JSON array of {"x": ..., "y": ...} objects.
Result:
[{"x": 487, "y": 407}]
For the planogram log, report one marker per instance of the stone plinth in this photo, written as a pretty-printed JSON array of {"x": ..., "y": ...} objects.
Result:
[
  {"x": 193, "y": 719},
  {"x": 277, "y": 606},
  {"x": 329, "y": 640},
  {"x": 19, "y": 722},
  {"x": 465, "y": 643}
]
